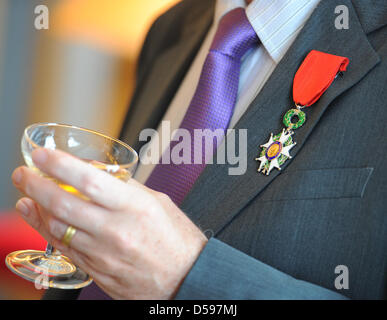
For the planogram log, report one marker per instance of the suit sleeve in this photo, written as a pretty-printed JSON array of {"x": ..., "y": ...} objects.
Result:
[{"x": 222, "y": 272}]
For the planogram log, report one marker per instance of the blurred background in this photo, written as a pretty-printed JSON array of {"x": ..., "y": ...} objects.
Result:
[{"x": 80, "y": 71}]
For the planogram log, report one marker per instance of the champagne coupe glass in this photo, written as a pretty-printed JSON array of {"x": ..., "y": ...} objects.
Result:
[{"x": 105, "y": 153}]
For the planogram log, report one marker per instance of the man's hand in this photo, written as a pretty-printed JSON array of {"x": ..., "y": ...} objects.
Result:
[{"x": 135, "y": 242}]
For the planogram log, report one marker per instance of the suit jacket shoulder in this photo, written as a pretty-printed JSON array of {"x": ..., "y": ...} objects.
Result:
[
  {"x": 372, "y": 14},
  {"x": 167, "y": 29},
  {"x": 168, "y": 51}
]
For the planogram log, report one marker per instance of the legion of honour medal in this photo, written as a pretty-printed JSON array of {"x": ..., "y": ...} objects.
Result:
[{"x": 314, "y": 76}]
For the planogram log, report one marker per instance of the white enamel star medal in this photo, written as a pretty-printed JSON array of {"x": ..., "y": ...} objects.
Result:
[
  {"x": 312, "y": 79},
  {"x": 276, "y": 151}
]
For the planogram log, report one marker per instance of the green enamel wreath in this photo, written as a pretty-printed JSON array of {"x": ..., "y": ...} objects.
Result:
[{"x": 290, "y": 114}]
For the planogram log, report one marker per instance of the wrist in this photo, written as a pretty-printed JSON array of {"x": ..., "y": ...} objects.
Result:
[{"x": 191, "y": 256}]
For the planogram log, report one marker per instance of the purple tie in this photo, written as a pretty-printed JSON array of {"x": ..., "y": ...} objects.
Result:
[
  {"x": 211, "y": 108},
  {"x": 212, "y": 104}
]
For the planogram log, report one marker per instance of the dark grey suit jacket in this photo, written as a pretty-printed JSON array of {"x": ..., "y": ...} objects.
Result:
[{"x": 282, "y": 236}]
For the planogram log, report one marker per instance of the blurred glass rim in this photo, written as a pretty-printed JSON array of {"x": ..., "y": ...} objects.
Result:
[{"x": 53, "y": 124}]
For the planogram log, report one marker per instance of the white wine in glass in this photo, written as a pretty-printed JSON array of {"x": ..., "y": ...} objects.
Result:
[{"x": 107, "y": 154}]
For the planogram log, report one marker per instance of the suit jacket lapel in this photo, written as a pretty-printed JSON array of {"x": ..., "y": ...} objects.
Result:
[
  {"x": 167, "y": 68},
  {"x": 217, "y": 197}
]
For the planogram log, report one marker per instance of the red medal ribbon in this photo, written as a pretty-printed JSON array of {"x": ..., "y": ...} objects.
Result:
[{"x": 315, "y": 75}]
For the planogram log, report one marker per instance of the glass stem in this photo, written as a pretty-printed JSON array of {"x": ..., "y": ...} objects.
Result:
[{"x": 51, "y": 251}]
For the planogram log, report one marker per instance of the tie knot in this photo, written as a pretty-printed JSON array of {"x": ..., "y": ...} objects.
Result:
[{"x": 235, "y": 34}]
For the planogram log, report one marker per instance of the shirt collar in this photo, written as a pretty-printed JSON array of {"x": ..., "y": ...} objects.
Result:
[
  {"x": 276, "y": 22},
  {"x": 224, "y": 6}
]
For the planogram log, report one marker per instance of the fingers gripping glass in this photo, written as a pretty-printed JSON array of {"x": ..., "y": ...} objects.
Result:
[{"x": 103, "y": 152}]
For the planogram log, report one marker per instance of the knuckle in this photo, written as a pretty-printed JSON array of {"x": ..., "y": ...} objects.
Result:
[
  {"x": 152, "y": 211},
  {"x": 126, "y": 245},
  {"x": 58, "y": 161},
  {"x": 27, "y": 185},
  {"x": 154, "y": 206},
  {"x": 58, "y": 207},
  {"x": 54, "y": 228},
  {"x": 119, "y": 239},
  {"x": 163, "y": 197},
  {"x": 90, "y": 185}
]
